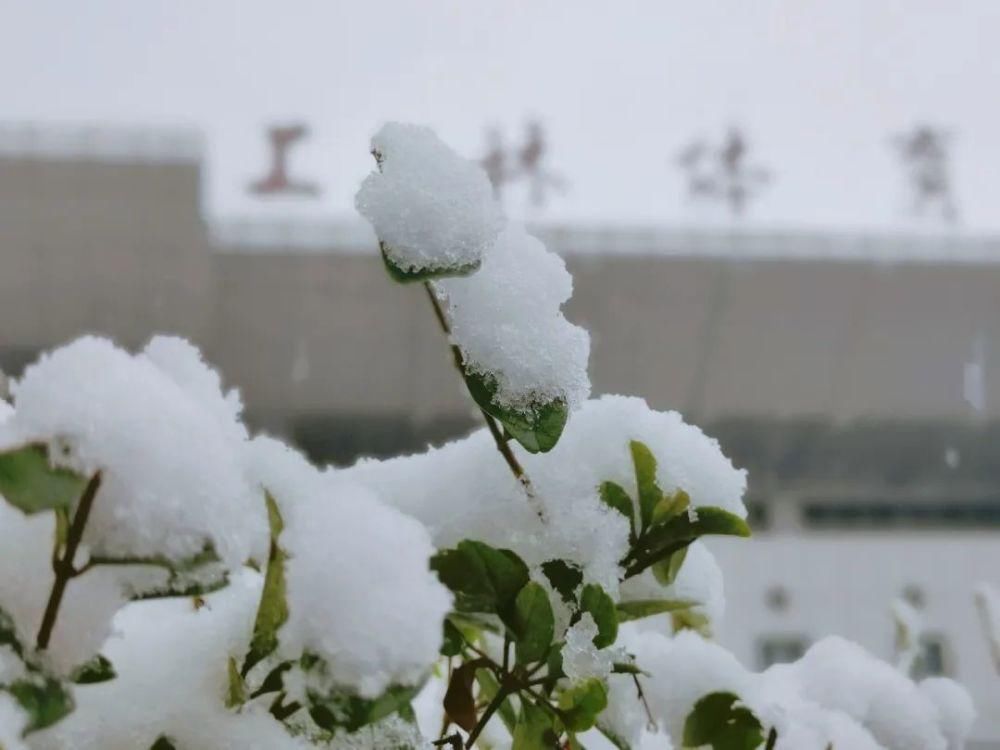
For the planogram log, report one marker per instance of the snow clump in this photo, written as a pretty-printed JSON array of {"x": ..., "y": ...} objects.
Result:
[{"x": 432, "y": 210}]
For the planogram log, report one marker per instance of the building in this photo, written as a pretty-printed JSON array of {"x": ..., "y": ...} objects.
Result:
[{"x": 855, "y": 376}]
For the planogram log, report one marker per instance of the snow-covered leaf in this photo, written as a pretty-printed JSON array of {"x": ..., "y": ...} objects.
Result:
[{"x": 537, "y": 427}]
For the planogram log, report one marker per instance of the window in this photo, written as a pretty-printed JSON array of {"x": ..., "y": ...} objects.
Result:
[
  {"x": 780, "y": 649},
  {"x": 934, "y": 658}
]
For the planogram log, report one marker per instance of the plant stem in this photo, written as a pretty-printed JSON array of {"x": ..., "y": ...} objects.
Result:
[
  {"x": 502, "y": 445},
  {"x": 63, "y": 567},
  {"x": 491, "y": 709}
]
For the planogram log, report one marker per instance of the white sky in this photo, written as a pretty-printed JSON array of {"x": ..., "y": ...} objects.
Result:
[{"x": 818, "y": 84}]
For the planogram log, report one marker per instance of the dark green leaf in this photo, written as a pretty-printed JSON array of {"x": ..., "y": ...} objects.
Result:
[
  {"x": 580, "y": 704},
  {"x": 44, "y": 699},
  {"x": 273, "y": 608},
  {"x": 565, "y": 578},
  {"x": 343, "y": 710},
  {"x": 8, "y": 634},
  {"x": 405, "y": 276},
  {"x": 452, "y": 640},
  {"x": 614, "y": 496},
  {"x": 537, "y": 428},
  {"x": 97, "y": 669},
  {"x": 533, "y": 624},
  {"x": 645, "y": 478},
  {"x": 720, "y": 721},
  {"x": 31, "y": 484},
  {"x": 676, "y": 533},
  {"x": 639, "y": 608},
  {"x": 534, "y": 729},
  {"x": 601, "y": 607},
  {"x": 163, "y": 744},
  {"x": 483, "y": 579}
]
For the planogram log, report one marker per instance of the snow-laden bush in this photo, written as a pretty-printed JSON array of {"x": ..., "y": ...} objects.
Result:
[{"x": 169, "y": 581}]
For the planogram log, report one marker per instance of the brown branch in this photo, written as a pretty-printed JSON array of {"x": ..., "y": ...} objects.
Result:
[
  {"x": 502, "y": 444},
  {"x": 63, "y": 566}
]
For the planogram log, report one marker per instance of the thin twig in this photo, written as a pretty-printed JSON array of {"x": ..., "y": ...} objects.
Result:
[
  {"x": 63, "y": 566},
  {"x": 491, "y": 709},
  {"x": 502, "y": 444},
  {"x": 642, "y": 698}
]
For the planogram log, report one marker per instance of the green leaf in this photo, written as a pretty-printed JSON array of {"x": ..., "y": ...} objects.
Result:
[
  {"x": 639, "y": 608},
  {"x": 483, "y": 579},
  {"x": 342, "y": 710},
  {"x": 44, "y": 699},
  {"x": 272, "y": 612},
  {"x": 97, "y": 669},
  {"x": 162, "y": 743},
  {"x": 32, "y": 485},
  {"x": 719, "y": 721},
  {"x": 452, "y": 640},
  {"x": 676, "y": 533},
  {"x": 601, "y": 607},
  {"x": 691, "y": 619},
  {"x": 665, "y": 571},
  {"x": 533, "y": 624},
  {"x": 8, "y": 634},
  {"x": 580, "y": 704},
  {"x": 236, "y": 692},
  {"x": 614, "y": 496},
  {"x": 645, "y": 478},
  {"x": 671, "y": 505},
  {"x": 534, "y": 729},
  {"x": 565, "y": 578},
  {"x": 427, "y": 273},
  {"x": 537, "y": 428}
]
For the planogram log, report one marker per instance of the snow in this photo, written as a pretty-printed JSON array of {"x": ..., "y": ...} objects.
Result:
[
  {"x": 430, "y": 208},
  {"x": 171, "y": 659},
  {"x": 955, "y": 710},
  {"x": 360, "y": 591},
  {"x": 163, "y": 437},
  {"x": 463, "y": 490},
  {"x": 699, "y": 581},
  {"x": 837, "y": 693},
  {"x": 581, "y": 659},
  {"x": 507, "y": 320},
  {"x": 12, "y": 723},
  {"x": 26, "y": 576}
]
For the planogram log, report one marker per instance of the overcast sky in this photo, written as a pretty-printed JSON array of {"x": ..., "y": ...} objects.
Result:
[{"x": 818, "y": 85}]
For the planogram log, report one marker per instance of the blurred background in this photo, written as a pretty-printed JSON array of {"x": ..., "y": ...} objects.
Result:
[{"x": 781, "y": 218}]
